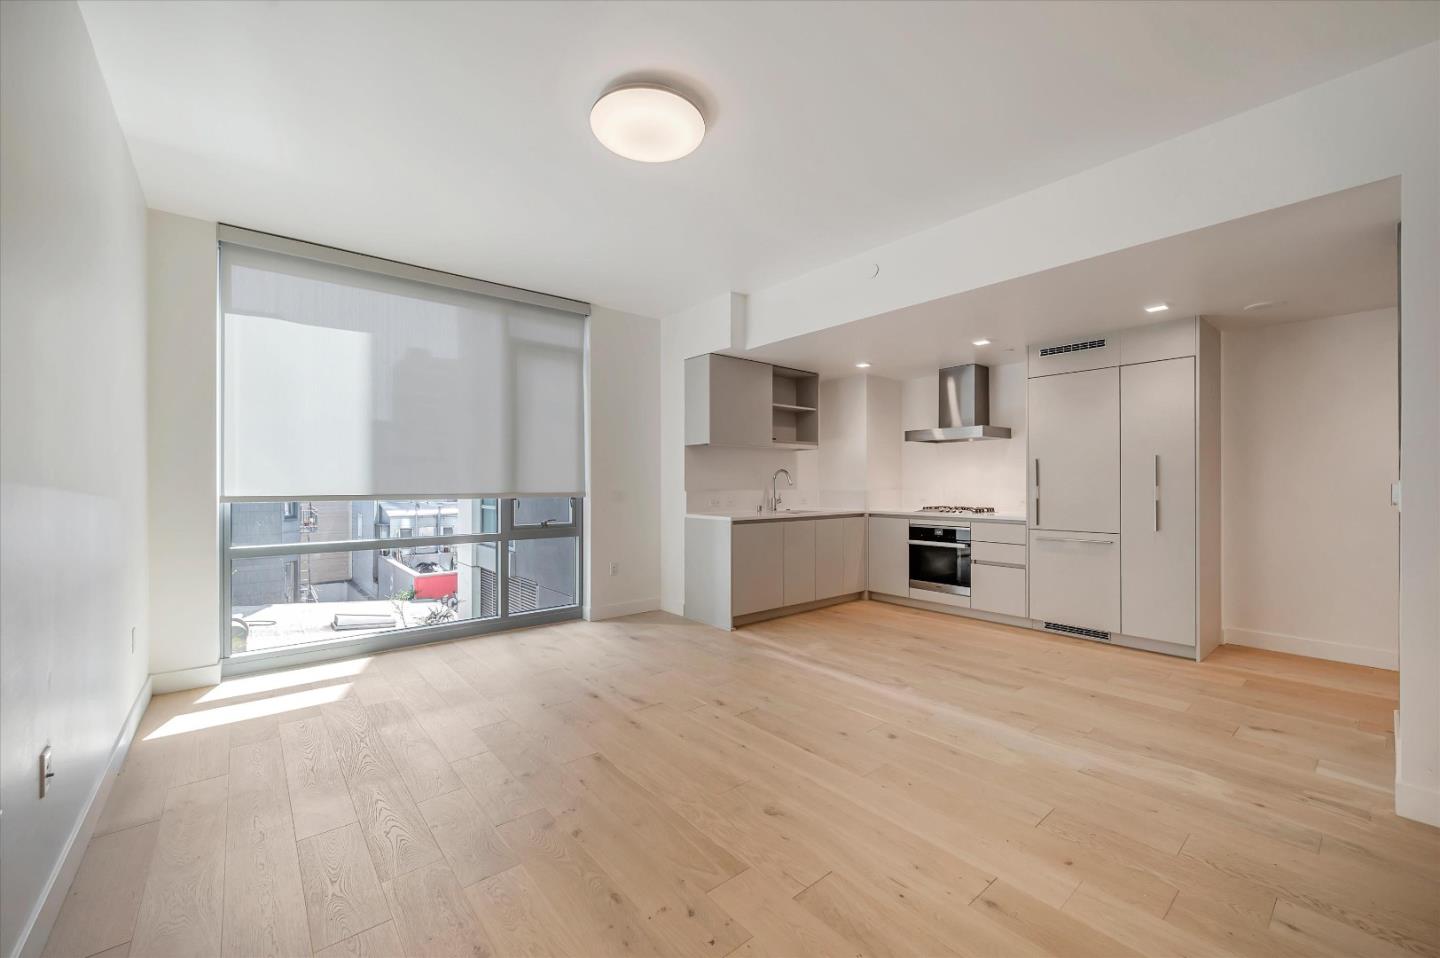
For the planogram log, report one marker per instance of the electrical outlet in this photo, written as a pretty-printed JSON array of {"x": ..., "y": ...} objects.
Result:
[
  {"x": 714, "y": 500},
  {"x": 614, "y": 568},
  {"x": 47, "y": 771}
]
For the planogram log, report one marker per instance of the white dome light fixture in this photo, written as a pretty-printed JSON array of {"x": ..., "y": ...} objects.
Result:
[{"x": 647, "y": 123}]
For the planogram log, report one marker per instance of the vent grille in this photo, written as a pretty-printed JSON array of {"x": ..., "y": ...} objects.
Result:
[
  {"x": 1072, "y": 347},
  {"x": 1077, "y": 630}
]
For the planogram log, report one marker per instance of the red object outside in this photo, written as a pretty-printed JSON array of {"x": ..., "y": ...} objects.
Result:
[{"x": 436, "y": 585}]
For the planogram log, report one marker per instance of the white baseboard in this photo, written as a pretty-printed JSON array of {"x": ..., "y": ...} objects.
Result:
[
  {"x": 614, "y": 610},
  {"x": 1314, "y": 648},
  {"x": 1418, "y": 802},
  {"x": 42, "y": 919},
  {"x": 182, "y": 679}
]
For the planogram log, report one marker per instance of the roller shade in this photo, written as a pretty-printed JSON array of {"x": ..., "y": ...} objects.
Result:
[{"x": 350, "y": 382}]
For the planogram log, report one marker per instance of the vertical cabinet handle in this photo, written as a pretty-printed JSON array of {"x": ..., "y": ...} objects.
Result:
[
  {"x": 1037, "y": 491},
  {"x": 1157, "y": 492}
]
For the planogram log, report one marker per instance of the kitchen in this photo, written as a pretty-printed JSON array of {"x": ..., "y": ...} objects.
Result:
[{"x": 1073, "y": 463}]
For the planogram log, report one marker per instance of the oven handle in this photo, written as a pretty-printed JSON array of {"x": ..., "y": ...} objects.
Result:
[{"x": 942, "y": 545}]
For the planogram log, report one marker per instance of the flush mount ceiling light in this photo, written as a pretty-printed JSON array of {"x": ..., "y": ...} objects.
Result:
[
  {"x": 862, "y": 365},
  {"x": 647, "y": 123},
  {"x": 981, "y": 342},
  {"x": 1157, "y": 308}
]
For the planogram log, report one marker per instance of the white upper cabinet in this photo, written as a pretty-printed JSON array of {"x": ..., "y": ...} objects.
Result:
[
  {"x": 727, "y": 401},
  {"x": 1074, "y": 468},
  {"x": 740, "y": 402},
  {"x": 1157, "y": 514},
  {"x": 1155, "y": 341}
]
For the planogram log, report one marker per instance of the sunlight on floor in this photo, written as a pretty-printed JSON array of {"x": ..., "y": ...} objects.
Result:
[
  {"x": 242, "y": 711},
  {"x": 272, "y": 681}
]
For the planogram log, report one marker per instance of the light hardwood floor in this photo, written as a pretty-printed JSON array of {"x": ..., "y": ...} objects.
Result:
[{"x": 864, "y": 779}]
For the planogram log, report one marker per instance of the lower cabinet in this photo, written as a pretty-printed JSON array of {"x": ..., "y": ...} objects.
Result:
[
  {"x": 889, "y": 564},
  {"x": 998, "y": 588},
  {"x": 757, "y": 566},
  {"x": 799, "y": 546},
  {"x": 1075, "y": 579},
  {"x": 794, "y": 561},
  {"x": 839, "y": 556}
]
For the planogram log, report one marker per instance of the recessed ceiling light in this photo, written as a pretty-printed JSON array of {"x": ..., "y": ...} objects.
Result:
[
  {"x": 862, "y": 365},
  {"x": 981, "y": 342},
  {"x": 1157, "y": 308},
  {"x": 647, "y": 123}
]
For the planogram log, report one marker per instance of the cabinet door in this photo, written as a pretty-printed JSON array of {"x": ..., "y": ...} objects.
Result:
[
  {"x": 853, "y": 577},
  {"x": 829, "y": 557},
  {"x": 1074, "y": 429},
  {"x": 799, "y": 561},
  {"x": 889, "y": 555},
  {"x": 997, "y": 588},
  {"x": 740, "y": 397},
  {"x": 1075, "y": 579},
  {"x": 1157, "y": 513},
  {"x": 757, "y": 567}
]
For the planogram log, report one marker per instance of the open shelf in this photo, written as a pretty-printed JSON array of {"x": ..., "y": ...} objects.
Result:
[{"x": 795, "y": 408}]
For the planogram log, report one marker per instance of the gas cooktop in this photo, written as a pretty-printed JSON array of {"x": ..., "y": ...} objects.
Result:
[{"x": 977, "y": 510}]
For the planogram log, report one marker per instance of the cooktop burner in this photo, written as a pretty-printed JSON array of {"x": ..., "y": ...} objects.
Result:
[{"x": 978, "y": 510}]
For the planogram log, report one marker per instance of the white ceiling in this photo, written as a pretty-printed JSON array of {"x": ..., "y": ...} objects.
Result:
[
  {"x": 455, "y": 135},
  {"x": 1329, "y": 256}
]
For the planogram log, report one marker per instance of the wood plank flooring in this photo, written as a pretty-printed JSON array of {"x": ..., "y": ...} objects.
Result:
[{"x": 859, "y": 780}]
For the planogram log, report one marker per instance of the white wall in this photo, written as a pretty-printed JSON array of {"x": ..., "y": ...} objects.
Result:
[
  {"x": 842, "y": 461},
  {"x": 622, "y": 516},
  {"x": 72, "y": 444},
  {"x": 885, "y": 442},
  {"x": 184, "y": 518},
  {"x": 708, "y": 327},
  {"x": 1310, "y": 446},
  {"x": 989, "y": 473}
]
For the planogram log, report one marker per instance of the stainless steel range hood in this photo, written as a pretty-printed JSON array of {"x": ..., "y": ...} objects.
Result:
[{"x": 964, "y": 408}]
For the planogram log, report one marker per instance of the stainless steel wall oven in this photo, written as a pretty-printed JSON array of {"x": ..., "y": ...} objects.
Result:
[{"x": 940, "y": 557}]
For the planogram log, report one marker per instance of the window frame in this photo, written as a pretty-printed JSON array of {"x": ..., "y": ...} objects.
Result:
[{"x": 233, "y": 663}]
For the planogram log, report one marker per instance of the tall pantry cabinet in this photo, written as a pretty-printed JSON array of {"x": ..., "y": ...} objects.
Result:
[{"x": 1123, "y": 435}]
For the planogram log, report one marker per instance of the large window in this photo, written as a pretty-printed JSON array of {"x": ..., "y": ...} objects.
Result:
[
  {"x": 326, "y": 570},
  {"x": 401, "y": 449}
]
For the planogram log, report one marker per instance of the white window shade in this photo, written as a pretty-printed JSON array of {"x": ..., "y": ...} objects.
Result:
[{"x": 340, "y": 381}]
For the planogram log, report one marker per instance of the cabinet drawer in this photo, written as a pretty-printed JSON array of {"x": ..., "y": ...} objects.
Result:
[
  {"x": 995, "y": 552},
  {"x": 998, "y": 589},
  {"x": 1011, "y": 532},
  {"x": 1075, "y": 579}
]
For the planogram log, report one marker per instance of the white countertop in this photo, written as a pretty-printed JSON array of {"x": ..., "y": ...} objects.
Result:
[{"x": 836, "y": 513}]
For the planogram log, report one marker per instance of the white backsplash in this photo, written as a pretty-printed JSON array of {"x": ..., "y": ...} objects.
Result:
[{"x": 749, "y": 500}]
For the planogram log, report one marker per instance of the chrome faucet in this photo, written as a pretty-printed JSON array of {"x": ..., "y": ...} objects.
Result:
[{"x": 775, "y": 487}]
